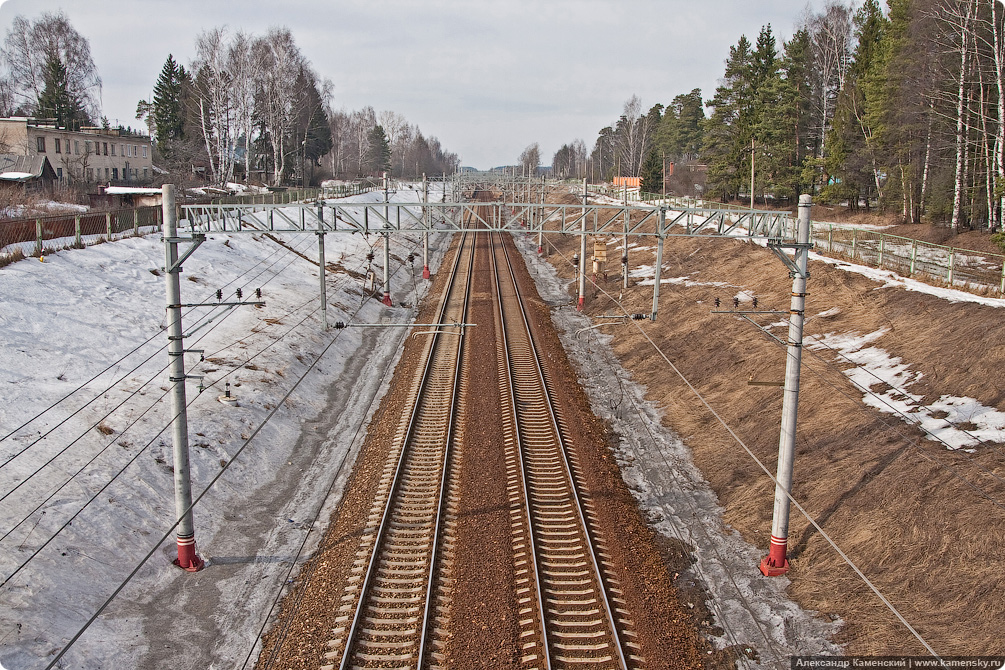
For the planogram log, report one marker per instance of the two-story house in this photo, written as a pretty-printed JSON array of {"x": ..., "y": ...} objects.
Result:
[{"x": 90, "y": 154}]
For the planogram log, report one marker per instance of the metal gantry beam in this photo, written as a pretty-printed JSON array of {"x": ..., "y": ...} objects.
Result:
[{"x": 530, "y": 217}]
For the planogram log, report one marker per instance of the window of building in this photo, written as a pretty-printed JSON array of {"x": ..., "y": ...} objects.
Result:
[
  {"x": 66, "y": 143},
  {"x": 115, "y": 173},
  {"x": 106, "y": 152},
  {"x": 87, "y": 146},
  {"x": 56, "y": 144},
  {"x": 59, "y": 172},
  {"x": 90, "y": 174},
  {"x": 144, "y": 171},
  {"x": 113, "y": 149},
  {"x": 144, "y": 152},
  {"x": 76, "y": 147},
  {"x": 40, "y": 144},
  {"x": 106, "y": 171}
]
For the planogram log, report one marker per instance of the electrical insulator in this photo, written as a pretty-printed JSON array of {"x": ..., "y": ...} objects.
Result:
[
  {"x": 575, "y": 259},
  {"x": 755, "y": 303},
  {"x": 411, "y": 258},
  {"x": 339, "y": 325},
  {"x": 369, "y": 257},
  {"x": 219, "y": 294},
  {"x": 736, "y": 302},
  {"x": 624, "y": 260},
  {"x": 639, "y": 317},
  {"x": 717, "y": 303},
  {"x": 258, "y": 293},
  {"x": 239, "y": 294}
]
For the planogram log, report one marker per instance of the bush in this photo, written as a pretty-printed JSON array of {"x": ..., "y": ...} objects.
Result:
[{"x": 998, "y": 239}]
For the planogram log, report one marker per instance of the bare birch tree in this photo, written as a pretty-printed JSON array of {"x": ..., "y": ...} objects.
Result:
[
  {"x": 213, "y": 97},
  {"x": 27, "y": 46}
]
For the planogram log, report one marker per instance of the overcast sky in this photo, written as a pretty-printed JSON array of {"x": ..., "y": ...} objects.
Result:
[{"x": 486, "y": 78}]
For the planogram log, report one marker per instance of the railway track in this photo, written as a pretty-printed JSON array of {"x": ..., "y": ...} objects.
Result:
[
  {"x": 389, "y": 603},
  {"x": 395, "y": 611},
  {"x": 576, "y": 623}
]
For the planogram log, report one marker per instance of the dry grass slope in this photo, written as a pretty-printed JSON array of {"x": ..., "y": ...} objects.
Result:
[{"x": 925, "y": 524}]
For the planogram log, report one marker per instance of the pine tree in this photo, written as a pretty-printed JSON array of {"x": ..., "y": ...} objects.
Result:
[
  {"x": 56, "y": 101},
  {"x": 681, "y": 130},
  {"x": 651, "y": 173}
]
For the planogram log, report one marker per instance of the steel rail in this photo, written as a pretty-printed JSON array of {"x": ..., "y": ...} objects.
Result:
[
  {"x": 351, "y": 638},
  {"x": 508, "y": 373},
  {"x": 523, "y": 320}
]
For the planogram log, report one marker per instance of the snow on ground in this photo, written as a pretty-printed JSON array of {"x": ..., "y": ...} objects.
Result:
[
  {"x": 94, "y": 319},
  {"x": 45, "y": 208},
  {"x": 675, "y": 497},
  {"x": 884, "y": 380},
  {"x": 888, "y": 278}
]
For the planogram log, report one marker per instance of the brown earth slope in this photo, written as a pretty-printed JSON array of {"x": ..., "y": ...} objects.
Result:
[{"x": 925, "y": 524}]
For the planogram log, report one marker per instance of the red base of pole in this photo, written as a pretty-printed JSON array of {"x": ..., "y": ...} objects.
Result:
[
  {"x": 387, "y": 299},
  {"x": 187, "y": 559},
  {"x": 539, "y": 250},
  {"x": 582, "y": 300},
  {"x": 775, "y": 563},
  {"x": 425, "y": 272}
]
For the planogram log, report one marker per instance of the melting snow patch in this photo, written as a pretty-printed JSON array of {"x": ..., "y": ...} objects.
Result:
[{"x": 884, "y": 379}]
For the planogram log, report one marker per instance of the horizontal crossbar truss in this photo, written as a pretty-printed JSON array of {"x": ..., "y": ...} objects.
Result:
[{"x": 378, "y": 218}]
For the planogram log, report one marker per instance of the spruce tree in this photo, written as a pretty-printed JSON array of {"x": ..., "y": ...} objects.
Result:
[
  {"x": 56, "y": 101},
  {"x": 855, "y": 142},
  {"x": 167, "y": 112},
  {"x": 651, "y": 173},
  {"x": 378, "y": 154},
  {"x": 727, "y": 132}
]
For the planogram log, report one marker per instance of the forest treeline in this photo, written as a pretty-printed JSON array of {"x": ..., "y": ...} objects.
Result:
[
  {"x": 899, "y": 107},
  {"x": 248, "y": 106}
]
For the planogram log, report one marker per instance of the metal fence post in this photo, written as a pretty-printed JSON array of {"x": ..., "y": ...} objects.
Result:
[
  {"x": 949, "y": 270},
  {"x": 882, "y": 241},
  {"x": 854, "y": 241},
  {"x": 38, "y": 237},
  {"x": 136, "y": 223},
  {"x": 77, "y": 241},
  {"x": 914, "y": 255}
]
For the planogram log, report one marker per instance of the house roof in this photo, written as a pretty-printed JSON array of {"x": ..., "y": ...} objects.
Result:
[{"x": 25, "y": 168}]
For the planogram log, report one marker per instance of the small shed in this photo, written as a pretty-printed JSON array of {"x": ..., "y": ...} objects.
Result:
[
  {"x": 118, "y": 197},
  {"x": 30, "y": 173}
]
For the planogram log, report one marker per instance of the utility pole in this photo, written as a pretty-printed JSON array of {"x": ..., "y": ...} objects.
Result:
[
  {"x": 751, "y": 178},
  {"x": 187, "y": 559},
  {"x": 321, "y": 265},
  {"x": 425, "y": 234},
  {"x": 387, "y": 250},
  {"x": 582, "y": 250},
  {"x": 776, "y": 562},
  {"x": 540, "y": 216},
  {"x": 660, "y": 234},
  {"x": 624, "y": 250}
]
